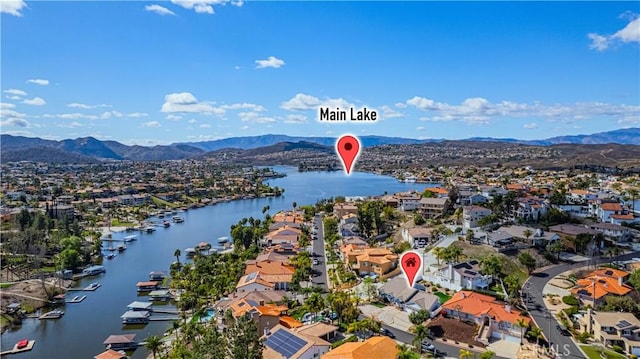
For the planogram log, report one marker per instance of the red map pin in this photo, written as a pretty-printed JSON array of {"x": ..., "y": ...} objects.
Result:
[
  {"x": 348, "y": 148},
  {"x": 411, "y": 264}
]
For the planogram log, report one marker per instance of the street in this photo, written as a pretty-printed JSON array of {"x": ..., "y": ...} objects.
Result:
[
  {"x": 319, "y": 277},
  {"x": 562, "y": 344}
]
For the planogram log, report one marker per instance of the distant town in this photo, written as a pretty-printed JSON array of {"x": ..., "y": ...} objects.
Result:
[{"x": 518, "y": 262}]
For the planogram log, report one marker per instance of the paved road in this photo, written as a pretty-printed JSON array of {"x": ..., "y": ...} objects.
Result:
[
  {"x": 320, "y": 270},
  {"x": 444, "y": 350},
  {"x": 563, "y": 345}
]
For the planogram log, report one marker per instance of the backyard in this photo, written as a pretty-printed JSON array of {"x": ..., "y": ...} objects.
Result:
[
  {"x": 594, "y": 353},
  {"x": 454, "y": 330}
]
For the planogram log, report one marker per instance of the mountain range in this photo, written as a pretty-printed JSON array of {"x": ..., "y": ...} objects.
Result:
[{"x": 89, "y": 149}]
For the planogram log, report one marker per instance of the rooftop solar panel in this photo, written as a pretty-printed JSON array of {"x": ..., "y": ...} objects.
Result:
[
  {"x": 623, "y": 324},
  {"x": 285, "y": 343}
]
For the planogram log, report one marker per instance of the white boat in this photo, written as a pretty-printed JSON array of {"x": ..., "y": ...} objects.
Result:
[
  {"x": 177, "y": 219},
  {"x": 130, "y": 238},
  {"x": 149, "y": 229},
  {"x": 54, "y": 314}
]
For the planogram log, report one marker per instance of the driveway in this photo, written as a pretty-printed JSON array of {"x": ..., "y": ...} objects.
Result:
[
  {"x": 388, "y": 315},
  {"x": 544, "y": 319}
]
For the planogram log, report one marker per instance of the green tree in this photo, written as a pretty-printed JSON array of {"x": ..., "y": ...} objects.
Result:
[
  {"x": 556, "y": 248},
  {"x": 492, "y": 265},
  {"x": 536, "y": 334},
  {"x": 418, "y": 219},
  {"x": 439, "y": 253},
  {"x": 488, "y": 354},
  {"x": 419, "y": 317},
  {"x": 522, "y": 324},
  {"x": 527, "y": 233},
  {"x": 244, "y": 340},
  {"x": 512, "y": 284},
  {"x": 153, "y": 344},
  {"x": 465, "y": 354},
  {"x": 404, "y": 352},
  {"x": 315, "y": 303},
  {"x": 369, "y": 288},
  {"x": 421, "y": 332},
  {"x": 177, "y": 254},
  {"x": 470, "y": 235},
  {"x": 528, "y": 261},
  {"x": 634, "y": 279}
]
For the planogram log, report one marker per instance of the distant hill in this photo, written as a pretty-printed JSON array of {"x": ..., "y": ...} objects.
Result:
[
  {"x": 628, "y": 136},
  {"x": 87, "y": 149}
]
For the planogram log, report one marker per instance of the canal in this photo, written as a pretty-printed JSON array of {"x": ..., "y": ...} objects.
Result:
[{"x": 80, "y": 333}]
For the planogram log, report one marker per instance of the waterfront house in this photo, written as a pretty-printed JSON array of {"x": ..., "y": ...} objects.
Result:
[
  {"x": 135, "y": 317},
  {"x": 121, "y": 342},
  {"x": 284, "y": 343},
  {"x": 613, "y": 328},
  {"x": 374, "y": 347},
  {"x": 156, "y": 276},
  {"x": 279, "y": 272},
  {"x": 409, "y": 202},
  {"x": 594, "y": 288},
  {"x": 496, "y": 319},
  {"x": 286, "y": 234},
  {"x": 465, "y": 275},
  {"x": 111, "y": 354},
  {"x": 342, "y": 209},
  {"x": 253, "y": 282}
]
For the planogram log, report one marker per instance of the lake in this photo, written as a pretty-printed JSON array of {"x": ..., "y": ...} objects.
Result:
[{"x": 80, "y": 333}]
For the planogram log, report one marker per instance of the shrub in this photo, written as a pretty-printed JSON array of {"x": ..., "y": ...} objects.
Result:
[
  {"x": 570, "y": 300},
  {"x": 582, "y": 337},
  {"x": 617, "y": 349}
]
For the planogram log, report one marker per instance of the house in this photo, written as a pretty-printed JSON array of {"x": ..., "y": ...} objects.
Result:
[
  {"x": 288, "y": 217},
  {"x": 374, "y": 347},
  {"x": 613, "y": 328},
  {"x": 380, "y": 262},
  {"x": 342, "y": 209},
  {"x": 422, "y": 301},
  {"x": 319, "y": 330},
  {"x": 465, "y": 275},
  {"x": 418, "y": 237},
  {"x": 529, "y": 208},
  {"x": 409, "y": 299},
  {"x": 61, "y": 211},
  {"x": 121, "y": 342},
  {"x": 410, "y": 202},
  {"x": 350, "y": 218},
  {"x": 279, "y": 273},
  {"x": 607, "y": 209},
  {"x": 490, "y": 191},
  {"x": 434, "y": 207},
  {"x": 471, "y": 216},
  {"x": 232, "y": 301},
  {"x": 536, "y": 237},
  {"x": 615, "y": 232},
  {"x": 594, "y": 288},
  {"x": 496, "y": 319},
  {"x": 267, "y": 316},
  {"x": 284, "y": 343},
  {"x": 438, "y": 192},
  {"x": 582, "y": 195},
  {"x": 253, "y": 282},
  {"x": 286, "y": 234}
]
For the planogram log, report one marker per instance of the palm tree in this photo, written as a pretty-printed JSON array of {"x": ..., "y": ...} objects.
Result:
[
  {"x": 536, "y": 333},
  {"x": 522, "y": 324},
  {"x": 421, "y": 332},
  {"x": 315, "y": 303},
  {"x": 405, "y": 352},
  {"x": 487, "y": 355},
  {"x": 177, "y": 254},
  {"x": 527, "y": 233},
  {"x": 294, "y": 205},
  {"x": 153, "y": 343},
  {"x": 438, "y": 252},
  {"x": 465, "y": 354}
]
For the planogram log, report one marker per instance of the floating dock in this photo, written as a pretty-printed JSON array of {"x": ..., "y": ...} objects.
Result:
[
  {"x": 15, "y": 349},
  {"x": 76, "y": 299}
]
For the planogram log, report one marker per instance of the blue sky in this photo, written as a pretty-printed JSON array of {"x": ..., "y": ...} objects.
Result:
[{"x": 174, "y": 71}]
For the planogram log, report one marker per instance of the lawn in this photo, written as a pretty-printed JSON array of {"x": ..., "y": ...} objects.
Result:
[
  {"x": 443, "y": 297},
  {"x": 593, "y": 353},
  {"x": 378, "y": 304},
  {"x": 161, "y": 202},
  {"x": 6, "y": 285}
]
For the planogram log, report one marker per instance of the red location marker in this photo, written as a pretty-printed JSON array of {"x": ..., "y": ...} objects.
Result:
[
  {"x": 348, "y": 148},
  {"x": 411, "y": 264}
]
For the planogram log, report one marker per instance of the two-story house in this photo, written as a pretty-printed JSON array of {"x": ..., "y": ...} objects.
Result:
[
  {"x": 410, "y": 299},
  {"x": 471, "y": 216},
  {"x": 283, "y": 343},
  {"x": 607, "y": 209},
  {"x": 418, "y": 237},
  {"x": 594, "y": 288},
  {"x": 378, "y": 262},
  {"x": 434, "y": 207},
  {"x": 465, "y": 275},
  {"x": 409, "y": 202},
  {"x": 613, "y": 328}
]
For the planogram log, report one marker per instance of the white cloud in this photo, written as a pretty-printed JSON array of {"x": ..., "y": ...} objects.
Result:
[
  {"x": 171, "y": 117},
  {"x": 15, "y": 98},
  {"x": 14, "y": 121},
  {"x": 160, "y": 10},
  {"x": 4, "y": 105},
  {"x": 40, "y": 82},
  {"x": 530, "y": 126},
  {"x": 151, "y": 124},
  {"x": 630, "y": 33},
  {"x": 255, "y": 117},
  {"x": 7, "y": 112},
  {"x": 74, "y": 124},
  {"x": 185, "y": 102},
  {"x": 15, "y": 92},
  {"x": 137, "y": 114},
  {"x": 243, "y": 106},
  {"x": 388, "y": 112},
  {"x": 420, "y": 128},
  {"x": 401, "y": 105},
  {"x": 103, "y": 116},
  {"x": 36, "y": 101},
  {"x": 237, "y": 67},
  {"x": 245, "y": 127},
  {"x": 302, "y": 102},
  {"x": 271, "y": 61},
  {"x": 85, "y": 106},
  {"x": 296, "y": 118},
  {"x": 12, "y": 7},
  {"x": 193, "y": 120},
  {"x": 205, "y": 125},
  {"x": 204, "y": 6},
  {"x": 478, "y": 110}
]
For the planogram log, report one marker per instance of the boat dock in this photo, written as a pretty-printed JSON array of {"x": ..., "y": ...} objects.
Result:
[
  {"x": 76, "y": 299},
  {"x": 165, "y": 311},
  {"x": 15, "y": 349},
  {"x": 92, "y": 287},
  {"x": 162, "y": 318}
]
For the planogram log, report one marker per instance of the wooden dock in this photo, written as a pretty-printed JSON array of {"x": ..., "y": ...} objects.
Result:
[
  {"x": 76, "y": 299},
  {"x": 162, "y": 318},
  {"x": 165, "y": 311},
  {"x": 15, "y": 349}
]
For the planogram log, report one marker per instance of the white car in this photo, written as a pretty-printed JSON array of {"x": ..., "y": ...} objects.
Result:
[{"x": 316, "y": 262}]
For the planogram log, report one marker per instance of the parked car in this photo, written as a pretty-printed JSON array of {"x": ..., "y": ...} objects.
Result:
[
  {"x": 316, "y": 262},
  {"x": 387, "y": 333},
  {"x": 428, "y": 347}
]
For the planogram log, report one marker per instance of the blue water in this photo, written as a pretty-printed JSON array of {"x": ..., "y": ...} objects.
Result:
[{"x": 80, "y": 333}]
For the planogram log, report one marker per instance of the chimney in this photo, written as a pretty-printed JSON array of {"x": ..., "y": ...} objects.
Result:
[
  {"x": 462, "y": 295},
  {"x": 620, "y": 281},
  {"x": 507, "y": 307},
  {"x": 267, "y": 332},
  {"x": 451, "y": 275},
  {"x": 262, "y": 302}
]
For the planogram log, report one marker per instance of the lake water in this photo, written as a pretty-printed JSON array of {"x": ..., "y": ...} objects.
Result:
[{"x": 80, "y": 333}]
